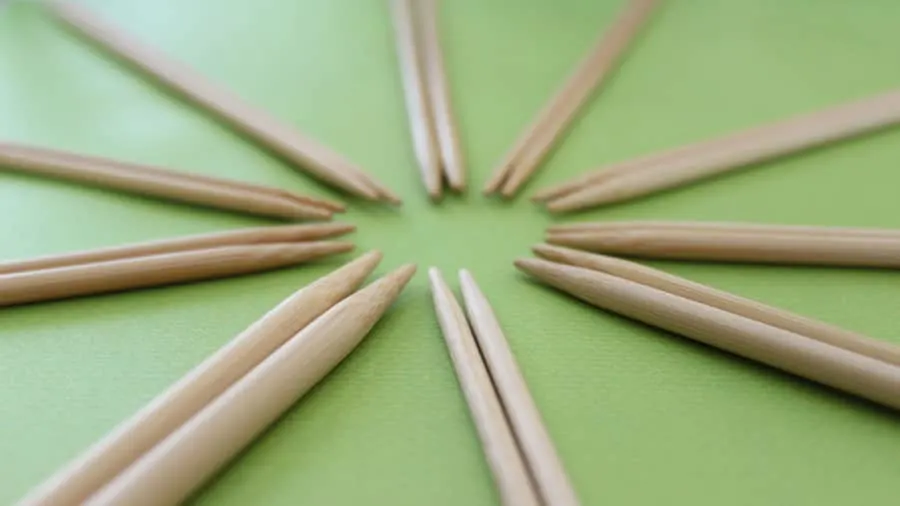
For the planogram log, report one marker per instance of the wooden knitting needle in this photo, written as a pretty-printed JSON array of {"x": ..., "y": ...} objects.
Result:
[
  {"x": 157, "y": 270},
  {"x": 301, "y": 151},
  {"x": 98, "y": 465},
  {"x": 730, "y": 227},
  {"x": 836, "y": 367},
  {"x": 539, "y": 137},
  {"x": 246, "y": 236},
  {"x": 524, "y": 417},
  {"x": 444, "y": 121},
  {"x": 416, "y": 91},
  {"x": 507, "y": 464},
  {"x": 722, "y": 245},
  {"x": 729, "y": 153},
  {"x": 184, "y": 460},
  {"x": 163, "y": 184},
  {"x": 829, "y": 334}
]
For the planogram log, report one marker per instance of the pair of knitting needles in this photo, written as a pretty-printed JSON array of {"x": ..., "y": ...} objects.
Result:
[
  {"x": 165, "y": 184},
  {"x": 432, "y": 123},
  {"x": 733, "y": 242},
  {"x": 168, "y": 261},
  {"x": 536, "y": 142},
  {"x": 181, "y": 438},
  {"x": 810, "y": 349},
  {"x": 518, "y": 448},
  {"x": 303, "y": 153},
  {"x": 649, "y": 174}
]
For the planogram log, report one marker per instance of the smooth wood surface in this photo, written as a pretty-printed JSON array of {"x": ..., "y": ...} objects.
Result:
[
  {"x": 416, "y": 92},
  {"x": 534, "y": 440},
  {"x": 808, "y": 248},
  {"x": 808, "y": 327},
  {"x": 103, "y": 461},
  {"x": 443, "y": 118},
  {"x": 497, "y": 440},
  {"x": 693, "y": 163},
  {"x": 720, "y": 226},
  {"x": 836, "y": 367},
  {"x": 157, "y": 270},
  {"x": 162, "y": 184},
  {"x": 304, "y": 153},
  {"x": 533, "y": 145},
  {"x": 183, "y": 461},
  {"x": 246, "y": 236}
]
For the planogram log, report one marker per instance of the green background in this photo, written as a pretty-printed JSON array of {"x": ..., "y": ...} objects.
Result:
[{"x": 639, "y": 416}]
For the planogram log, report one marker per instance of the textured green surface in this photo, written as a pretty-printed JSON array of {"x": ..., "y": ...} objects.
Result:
[{"x": 640, "y": 417}]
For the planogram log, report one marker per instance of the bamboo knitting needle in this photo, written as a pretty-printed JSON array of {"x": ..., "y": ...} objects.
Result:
[
  {"x": 184, "y": 460},
  {"x": 539, "y": 137},
  {"x": 246, "y": 236},
  {"x": 302, "y": 152},
  {"x": 829, "y": 334},
  {"x": 810, "y": 248},
  {"x": 444, "y": 121},
  {"x": 163, "y": 184},
  {"x": 509, "y": 469},
  {"x": 836, "y": 367},
  {"x": 418, "y": 102},
  {"x": 156, "y": 270},
  {"x": 729, "y": 153},
  {"x": 524, "y": 417},
  {"x": 99, "y": 464},
  {"x": 730, "y": 227}
]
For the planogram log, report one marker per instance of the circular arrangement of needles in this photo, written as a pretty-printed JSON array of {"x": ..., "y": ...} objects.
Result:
[{"x": 468, "y": 252}]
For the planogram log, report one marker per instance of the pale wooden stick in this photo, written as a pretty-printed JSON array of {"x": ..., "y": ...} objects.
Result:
[
  {"x": 807, "y": 248},
  {"x": 731, "y": 227},
  {"x": 160, "y": 183},
  {"x": 246, "y": 236},
  {"x": 820, "y": 331},
  {"x": 103, "y": 461},
  {"x": 539, "y": 137},
  {"x": 836, "y": 367},
  {"x": 418, "y": 103},
  {"x": 168, "y": 473},
  {"x": 732, "y": 152},
  {"x": 303, "y": 152},
  {"x": 546, "y": 467},
  {"x": 157, "y": 270},
  {"x": 443, "y": 119},
  {"x": 497, "y": 440}
]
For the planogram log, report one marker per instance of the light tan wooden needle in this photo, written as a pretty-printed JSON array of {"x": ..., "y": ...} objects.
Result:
[
  {"x": 722, "y": 226},
  {"x": 162, "y": 184},
  {"x": 103, "y": 461},
  {"x": 443, "y": 118},
  {"x": 539, "y": 137},
  {"x": 832, "y": 366},
  {"x": 524, "y": 417},
  {"x": 183, "y": 461},
  {"x": 416, "y": 92},
  {"x": 731, "y": 152},
  {"x": 497, "y": 440},
  {"x": 156, "y": 270},
  {"x": 246, "y": 236},
  {"x": 711, "y": 244},
  {"x": 304, "y": 153},
  {"x": 820, "y": 331}
]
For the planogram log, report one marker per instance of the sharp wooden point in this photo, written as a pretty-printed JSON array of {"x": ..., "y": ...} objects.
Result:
[
  {"x": 367, "y": 261},
  {"x": 333, "y": 229},
  {"x": 401, "y": 275},
  {"x": 325, "y": 248},
  {"x": 543, "y": 250},
  {"x": 535, "y": 266}
]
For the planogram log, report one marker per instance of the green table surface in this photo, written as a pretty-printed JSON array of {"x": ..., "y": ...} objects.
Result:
[{"x": 640, "y": 416}]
